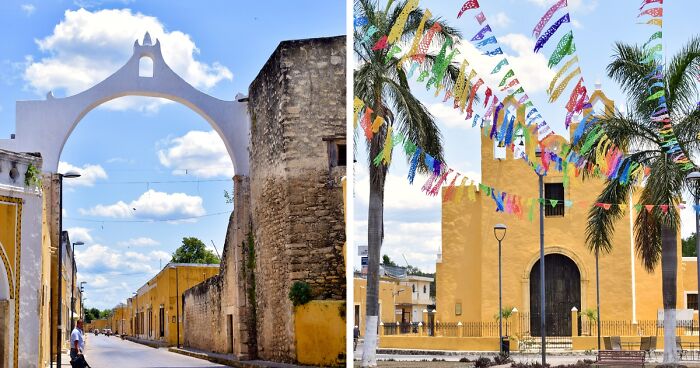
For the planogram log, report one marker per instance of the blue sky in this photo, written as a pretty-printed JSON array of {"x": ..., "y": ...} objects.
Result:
[
  {"x": 412, "y": 220},
  {"x": 144, "y": 160}
]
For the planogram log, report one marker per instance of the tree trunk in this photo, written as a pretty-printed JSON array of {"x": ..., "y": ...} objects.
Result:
[
  {"x": 375, "y": 236},
  {"x": 669, "y": 274}
]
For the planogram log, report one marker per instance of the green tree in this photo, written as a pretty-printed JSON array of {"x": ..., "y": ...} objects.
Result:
[
  {"x": 91, "y": 314},
  {"x": 193, "y": 250},
  {"x": 688, "y": 246},
  {"x": 386, "y": 261},
  {"x": 636, "y": 133},
  {"x": 382, "y": 84}
]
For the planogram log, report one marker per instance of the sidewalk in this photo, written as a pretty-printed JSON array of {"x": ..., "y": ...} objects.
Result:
[{"x": 230, "y": 359}]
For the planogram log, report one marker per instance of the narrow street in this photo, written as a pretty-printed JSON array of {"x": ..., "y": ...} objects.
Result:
[{"x": 108, "y": 352}]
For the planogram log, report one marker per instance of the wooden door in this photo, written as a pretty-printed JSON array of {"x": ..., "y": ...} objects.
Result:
[{"x": 562, "y": 285}]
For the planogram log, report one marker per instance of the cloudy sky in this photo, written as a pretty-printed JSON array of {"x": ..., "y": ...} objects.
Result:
[
  {"x": 413, "y": 219},
  {"x": 144, "y": 161}
]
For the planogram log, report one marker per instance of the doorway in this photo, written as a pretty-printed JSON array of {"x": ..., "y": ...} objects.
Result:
[{"x": 562, "y": 292}]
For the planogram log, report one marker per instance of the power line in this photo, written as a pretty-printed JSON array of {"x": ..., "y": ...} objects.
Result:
[{"x": 144, "y": 221}]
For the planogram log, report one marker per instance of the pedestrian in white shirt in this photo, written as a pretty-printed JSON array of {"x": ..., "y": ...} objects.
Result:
[{"x": 77, "y": 344}]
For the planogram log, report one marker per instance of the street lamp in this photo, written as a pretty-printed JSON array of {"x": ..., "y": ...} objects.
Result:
[
  {"x": 543, "y": 333},
  {"x": 72, "y": 286},
  {"x": 82, "y": 300},
  {"x": 499, "y": 231},
  {"x": 59, "y": 338},
  {"x": 693, "y": 179}
]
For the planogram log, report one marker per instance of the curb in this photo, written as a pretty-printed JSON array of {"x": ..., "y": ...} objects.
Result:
[
  {"x": 151, "y": 344},
  {"x": 230, "y": 362}
]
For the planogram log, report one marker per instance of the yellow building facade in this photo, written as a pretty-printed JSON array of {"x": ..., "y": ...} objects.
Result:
[
  {"x": 156, "y": 309},
  {"x": 23, "y": 307},
  {"x": 467, "y": 268},
  {"x": 400, "y": 300}
]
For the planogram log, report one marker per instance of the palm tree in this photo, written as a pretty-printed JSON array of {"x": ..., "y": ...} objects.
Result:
[
  {"x": 637, "y": 135},
  {"x": 383, "y": 84}
]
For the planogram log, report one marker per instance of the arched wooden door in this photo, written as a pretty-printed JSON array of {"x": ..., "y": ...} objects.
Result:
[{"x": 562, "y": 285}]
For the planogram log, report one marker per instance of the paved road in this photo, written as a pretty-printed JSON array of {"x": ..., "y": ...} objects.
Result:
[{"x": 109, "y": 352}]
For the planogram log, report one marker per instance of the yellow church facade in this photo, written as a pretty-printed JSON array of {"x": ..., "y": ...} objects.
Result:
[{"x": 467, "y": 268}]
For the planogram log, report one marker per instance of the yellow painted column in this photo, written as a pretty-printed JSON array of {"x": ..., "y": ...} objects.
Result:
[
  {"x": 515, "y": 322},
  {"x": 381, "y": 328},
  {"x": 574, "y": 321},
  {"x": 460, "y": 329},
  {"x": 420, "y": 329}
]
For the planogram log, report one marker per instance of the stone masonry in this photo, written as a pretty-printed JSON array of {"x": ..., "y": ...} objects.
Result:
[
  {"x": 297, "y": 111},
  {"x": 216, "y": 313},
  {"x": 292, "y": 202}
]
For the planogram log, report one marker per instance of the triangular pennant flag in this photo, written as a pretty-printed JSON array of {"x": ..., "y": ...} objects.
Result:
[
  {"x": 606, "y": 206},
  {"x": 470, "y": 4},
  {"x": 664, "y": 208},
  {"x": 381, "y": 44},
  {"x": 649, "y": 207},
  {"x": 553, "y": 202},
  {"x": 638, "y": 207},
  {"x": 622, "y": 207},
  {"x": 696, "y": 207},
  {"x": 481, "y": 18}
]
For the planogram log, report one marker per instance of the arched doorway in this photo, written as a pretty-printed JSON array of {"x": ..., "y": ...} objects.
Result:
[{"x": 562, "y": 292}]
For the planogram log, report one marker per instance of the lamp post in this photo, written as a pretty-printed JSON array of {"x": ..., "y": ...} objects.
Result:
[
  {"x": 499, "y": 231},
  {"x": 72, "y": 285},
  {"x": 693, "y": 180},
  {"x": 82, "y": 301},
  {"x": 59, "y": 338},
  {"x": 543, "y": 332}
]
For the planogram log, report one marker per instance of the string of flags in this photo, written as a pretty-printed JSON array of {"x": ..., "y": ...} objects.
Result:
[
  {"x": 653, "y": 50},
  {"x": 608, "y": 161},
  {"x": 463, "y": 187},
  {"x": 610, "y": 165}
]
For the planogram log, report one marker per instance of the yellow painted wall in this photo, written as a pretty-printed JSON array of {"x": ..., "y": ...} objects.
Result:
[
  {"x": 9, "y": 255},
  {"x": 468, "y": 273},
  {"x": 320, "y": 332},
  {"x": 386, "y": 300},
  {"x": 166, "y": 290},
  {"x": 439, "y": 343}
]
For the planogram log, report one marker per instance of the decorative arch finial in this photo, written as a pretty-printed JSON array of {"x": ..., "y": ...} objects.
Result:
[{"x": 147, "y": 39}]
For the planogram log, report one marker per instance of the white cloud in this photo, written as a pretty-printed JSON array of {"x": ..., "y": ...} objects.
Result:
[
  {"x": 445, "y": 114},
  {"x": 419, "y": 242},
  {"x": 198, "y": 153},
  {"x": 100, "y": 259},
  {"x": 89, "y": 174},
  {"x": 80, "y": 234},
  {"x": 399, "y": 194},
  {"x": 583, "y": 6},
  {"x": 86, "y": 47},
  {"x": 28, "y": 9},
  {"x": 576, "y": 24},
  {"x": 500, "y": 20},
  {"x": 93, "y": 3},
  {"x": 139, "y": 242},
  {"x": 151, "y": 205}
]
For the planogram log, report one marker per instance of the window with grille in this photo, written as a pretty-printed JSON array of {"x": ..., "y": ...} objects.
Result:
[
  {"x": 692, "y": 301},
  {"x": 554, "y": 191}
]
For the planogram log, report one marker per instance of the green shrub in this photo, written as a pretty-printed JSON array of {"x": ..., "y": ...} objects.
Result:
[{"x": 300, "y": 293}]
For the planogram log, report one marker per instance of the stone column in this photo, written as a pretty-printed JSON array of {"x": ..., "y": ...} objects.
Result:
[
  {"x": 574, "y": 321},
  {"x": 460, "y": 329}
]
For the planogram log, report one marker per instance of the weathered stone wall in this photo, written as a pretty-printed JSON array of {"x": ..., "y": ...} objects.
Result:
[
  {"x": 297, "y": 107},
  {"x": 207, "y": 306}
]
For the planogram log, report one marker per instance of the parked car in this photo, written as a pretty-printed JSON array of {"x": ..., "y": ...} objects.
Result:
[
  {"x": 96, "y": 331},
  {"x": 107, "y": 331}
]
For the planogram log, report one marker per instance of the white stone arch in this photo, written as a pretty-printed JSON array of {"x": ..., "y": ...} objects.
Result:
[
  {"x": 582, "y": 269},
  {"x": 45, "y": 125}
]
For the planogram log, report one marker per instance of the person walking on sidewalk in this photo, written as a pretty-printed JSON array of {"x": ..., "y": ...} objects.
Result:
[{"x": 77, "y": 345}]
